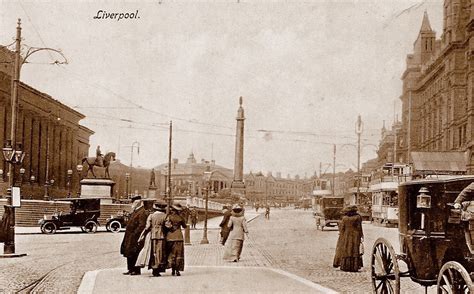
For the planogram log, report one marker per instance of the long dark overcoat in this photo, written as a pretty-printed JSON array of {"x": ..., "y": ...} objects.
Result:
[
  {"x": 135, "y": 226},
  {"x": 347, "y": 249}
]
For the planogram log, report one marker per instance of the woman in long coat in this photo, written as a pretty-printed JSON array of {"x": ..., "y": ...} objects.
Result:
[
  {"x": 238, "y": 226},
  {"x": 174, "y": 240},
  {"x": 348, "y": 257},
  {"x": 153, "y": 253}
]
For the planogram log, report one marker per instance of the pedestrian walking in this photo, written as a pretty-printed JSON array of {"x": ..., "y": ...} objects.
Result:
[
  {"x": 174, "y": 240},
  {"x": 225, "y": 220},
  {"x": 130, "y": 247},
  {"x": 194, "y": 217},
  {"x": 267, "y": 212},
  {"x": 348, "y": 256},
  {"x": 153, "y": 255},
  {"x": 238, "y": 226}
]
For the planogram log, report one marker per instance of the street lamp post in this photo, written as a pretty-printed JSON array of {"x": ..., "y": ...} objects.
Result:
[
  {"x": 207, "y": 179},
  {"x": 79, "y": 168},
  {"x": 127, "y": 178},
  {"x": 22, "y": 174},
  {"x": 12, "y": 156},
  {"x": 358, "y": 130},
  {"x": 69, "y": 177}
]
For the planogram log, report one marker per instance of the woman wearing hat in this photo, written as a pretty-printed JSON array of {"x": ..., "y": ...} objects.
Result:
[
  {"x": 348, "y": 256},
  {"x": 238, "y": 226},
  {"x": 174, "y": 239},
  {"x": 153, "y": 253}
]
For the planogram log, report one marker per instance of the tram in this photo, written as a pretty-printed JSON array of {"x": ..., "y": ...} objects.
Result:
[{"x": 384, "y": 190}]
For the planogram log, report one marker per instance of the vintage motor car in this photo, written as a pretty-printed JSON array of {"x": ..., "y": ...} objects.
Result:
[
  {"x": 117, "y": 222},
  {"x": 83, "y": 213}
]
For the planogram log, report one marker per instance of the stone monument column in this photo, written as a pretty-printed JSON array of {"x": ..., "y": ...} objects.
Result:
[{"x": 238, "y": 187}]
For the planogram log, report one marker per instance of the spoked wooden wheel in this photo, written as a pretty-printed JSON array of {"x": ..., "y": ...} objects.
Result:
[
  {"x": 384, "y": 268},
  {"x": 453, "y": 278}
]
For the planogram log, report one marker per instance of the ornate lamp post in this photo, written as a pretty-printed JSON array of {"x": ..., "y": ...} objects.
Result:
[
  {"x": 69, "y": 177},
  {"x": 207, "y": 179},
  {"x": 12, "y": 156},
  {"x": 32, "y": 180}
]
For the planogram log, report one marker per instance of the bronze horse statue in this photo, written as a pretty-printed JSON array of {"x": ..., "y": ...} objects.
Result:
[{"x": 92, "y": 161}]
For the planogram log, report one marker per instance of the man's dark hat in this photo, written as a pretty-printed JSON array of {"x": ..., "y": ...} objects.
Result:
[
  {"x": 161, "y": 206},
  {"x": 177, "y": 207},
  {"x": 136, "y": 197}
]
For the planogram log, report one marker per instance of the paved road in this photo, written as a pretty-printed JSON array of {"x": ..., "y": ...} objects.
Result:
[{"x": 291, "y": 240}]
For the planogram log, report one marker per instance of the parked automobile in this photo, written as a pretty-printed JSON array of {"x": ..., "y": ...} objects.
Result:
[
  {"x": 83, "y": 213},
  {"x": 117, "y": 222}
]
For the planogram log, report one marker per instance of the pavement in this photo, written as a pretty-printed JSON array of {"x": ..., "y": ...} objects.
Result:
[{"x": 207, "y": 272}]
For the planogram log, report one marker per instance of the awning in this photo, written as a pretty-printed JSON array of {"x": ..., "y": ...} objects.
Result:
[{"x": 439, "y": 162}]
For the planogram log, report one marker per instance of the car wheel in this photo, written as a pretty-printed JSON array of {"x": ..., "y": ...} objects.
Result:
[
  {"x": 90, "y": 227},
  {"x": 115, "y": 226},
  {"x": 48, "y": 228}
]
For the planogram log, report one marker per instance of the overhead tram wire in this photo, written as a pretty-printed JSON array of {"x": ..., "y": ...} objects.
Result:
[{"x": 140, "y": 107}]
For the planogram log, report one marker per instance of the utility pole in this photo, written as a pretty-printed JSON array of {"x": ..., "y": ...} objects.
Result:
[
  {"x": 131, "y": 163},
  {"x": 358, "y": 131},
  {"x": 334, "y": 172},
  {"x": 9, "y": 245},
  {"x": 168, "y": 189}
]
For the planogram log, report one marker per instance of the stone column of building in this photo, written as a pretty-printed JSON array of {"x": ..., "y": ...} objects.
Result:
[
  {"x": 27, "y": 138},
  {"x": 35, "y": 148},
  {"x": 44, "y": 131},
  {"x": 2, "y": 132},
  {"x": 238, "y": 186},
  {"x": 63, "y": 158}
]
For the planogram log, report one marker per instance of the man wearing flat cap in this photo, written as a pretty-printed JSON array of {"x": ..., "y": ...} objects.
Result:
[{"x": 130, "y": 247}]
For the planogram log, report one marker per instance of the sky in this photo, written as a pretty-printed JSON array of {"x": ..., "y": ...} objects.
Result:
[{"x": 305, "y": 70}]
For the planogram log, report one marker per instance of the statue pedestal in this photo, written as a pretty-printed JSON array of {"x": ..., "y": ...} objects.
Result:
[
  {"x": 98, "y": 188},
  {"x": 152, "y": 193},
  {"x": 237, "y": 188}
]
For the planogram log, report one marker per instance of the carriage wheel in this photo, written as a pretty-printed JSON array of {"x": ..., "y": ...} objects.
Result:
[
  {"x": 453, "y": 278},
  {"x": 90, "y": 227},
  {"x": 384, "y": 268}
]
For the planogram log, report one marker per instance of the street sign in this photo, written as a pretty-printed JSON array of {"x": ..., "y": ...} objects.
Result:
[{"x": 16, "y": 202}]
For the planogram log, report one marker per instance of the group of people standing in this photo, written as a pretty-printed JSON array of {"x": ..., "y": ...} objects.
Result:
[{"x": 154, "y": 240}]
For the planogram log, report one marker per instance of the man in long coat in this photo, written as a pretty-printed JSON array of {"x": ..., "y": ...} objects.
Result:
[
  {"x": 130, "y": 247},
  {"x": 225, "y": 230}
]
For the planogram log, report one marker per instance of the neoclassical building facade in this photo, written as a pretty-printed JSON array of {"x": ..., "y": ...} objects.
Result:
[{"x": 50, "y": 133}]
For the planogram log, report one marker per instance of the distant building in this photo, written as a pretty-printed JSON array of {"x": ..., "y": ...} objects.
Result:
[
  {"x": 263, "y": 189},
  {"x": 188, "y": 178},
  {"x": 437, "y": 98}
]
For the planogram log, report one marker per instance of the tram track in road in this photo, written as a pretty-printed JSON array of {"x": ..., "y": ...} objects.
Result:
[{"x": 37, "y": 286}]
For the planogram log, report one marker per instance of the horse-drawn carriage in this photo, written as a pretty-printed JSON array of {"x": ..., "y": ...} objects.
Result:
[{"x": 436, "y": 241}]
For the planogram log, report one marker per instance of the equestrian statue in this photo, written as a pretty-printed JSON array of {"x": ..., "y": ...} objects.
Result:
[{"x": 99, "y": 161}]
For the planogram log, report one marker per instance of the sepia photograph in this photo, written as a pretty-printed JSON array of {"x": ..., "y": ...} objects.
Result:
[{"x": 237, "y": 146}]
